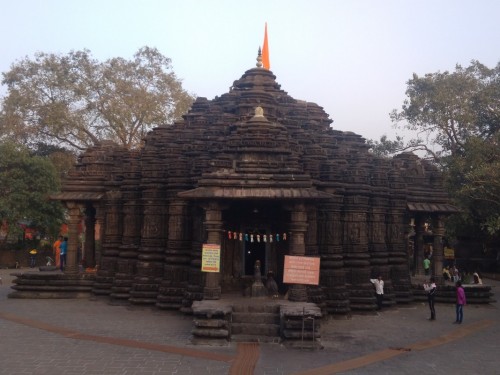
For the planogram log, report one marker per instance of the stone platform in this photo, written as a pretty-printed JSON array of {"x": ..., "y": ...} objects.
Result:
[
  {"x": 51, "y": 284},
  {"x": 476, "y": 293}
]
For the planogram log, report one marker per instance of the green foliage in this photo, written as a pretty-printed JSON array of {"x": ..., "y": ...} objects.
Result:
[
  {"x": 459, "y": 112},
  {"x": 447, "y": 109},
  {"x": 386, "y": 147},
  {"x": 474, "y": 182},
  {"x": 25, "y": 184},
  {"x": 75, "y": 101},
  {"x": 62, "y": 159}
]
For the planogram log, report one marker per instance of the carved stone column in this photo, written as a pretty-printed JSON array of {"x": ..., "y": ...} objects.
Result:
[
  {"x": 177, "y": 256},
  {"x": 99, "y": 225},
  {"x": 398, "y": 250},
  {"x": 132, "y": 224},
  {"x": 356, "y": 255},
  {"x": 298, "y": 228},
  {"x": 89, "y": 245},
  {"x": 213, "y": 227},
  {"x": 315, "y": 292},
  {"x": 149, "y": 271},
  {"x": 419, "y": 244},
  {"x": 111, "y": 240},
  {"x": 332, "y": 265},
  {"x": 380, "y": 226},
  {"x": 74, "y": 214},
  {"x": 438, "y": 251}
]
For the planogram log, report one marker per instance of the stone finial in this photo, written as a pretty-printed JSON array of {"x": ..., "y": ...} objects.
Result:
[
  {"x": 259, "y": 112},
  {"x": 259, "y": 59}
]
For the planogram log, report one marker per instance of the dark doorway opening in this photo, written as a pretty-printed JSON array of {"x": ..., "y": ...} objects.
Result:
[
  {"x": 255, "y": 251},
  {"x": 264, "y": 218}
]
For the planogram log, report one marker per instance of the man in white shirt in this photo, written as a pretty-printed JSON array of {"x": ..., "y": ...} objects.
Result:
[
  {"x": 430, "y": 289},
  {"x": 379, "y": 290}
]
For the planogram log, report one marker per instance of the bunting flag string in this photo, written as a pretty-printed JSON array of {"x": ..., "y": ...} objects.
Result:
[{"x": 256, "y": 237}]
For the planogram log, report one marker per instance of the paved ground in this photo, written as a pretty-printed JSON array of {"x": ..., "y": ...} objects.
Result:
[{"x": 91, "y": 337}]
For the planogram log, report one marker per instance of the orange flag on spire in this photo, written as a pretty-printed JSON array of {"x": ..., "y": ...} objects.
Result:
[{"x": 265, "y": 52}]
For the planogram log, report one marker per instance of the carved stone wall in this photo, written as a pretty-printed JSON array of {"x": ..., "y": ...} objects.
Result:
[{"x": 255, "y": 145}]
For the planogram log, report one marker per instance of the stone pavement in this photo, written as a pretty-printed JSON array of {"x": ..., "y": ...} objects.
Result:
[{"x": 92, "y": 337}]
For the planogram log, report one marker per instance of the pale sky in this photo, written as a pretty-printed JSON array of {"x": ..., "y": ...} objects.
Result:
[{"x": 352, "y": 57}]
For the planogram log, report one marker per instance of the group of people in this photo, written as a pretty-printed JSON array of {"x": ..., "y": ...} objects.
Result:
[
  {"x": 430, "y": 288},
  {"x": 453, "y": 274},
  {"x": 60, "y": 249}
]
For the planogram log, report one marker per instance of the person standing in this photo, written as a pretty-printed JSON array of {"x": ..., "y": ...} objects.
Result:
[
  {"x": 460, "y": 302},
  {"x": 33, "y": 253},
  {"x": 477, "y": 279},
  {"x": 430, "y": 289},
  {"x": 379, "y": 290},
  {"x": 427, "y": 266},
  {"x": 57, "y": 251},
  {"x": 64, "y": 249}
]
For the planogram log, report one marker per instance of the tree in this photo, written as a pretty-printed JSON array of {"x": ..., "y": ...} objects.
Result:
[
  {"x": 386, "y": 147},
  {"x": 63, "y": 159},
  {"x": 26, "y": 182},
  {"x": 460, "y": 113},
  {"x": 474, "y": 182},
  {"x": 75, "y": 101},
  {"x": 447, "y": 109}
]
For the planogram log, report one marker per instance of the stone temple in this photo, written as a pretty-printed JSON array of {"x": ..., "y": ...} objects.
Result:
[{"x": 263, "y": 175}]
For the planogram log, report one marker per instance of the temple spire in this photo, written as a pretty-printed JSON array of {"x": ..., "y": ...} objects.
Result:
[{"x": 265, "y": 52}]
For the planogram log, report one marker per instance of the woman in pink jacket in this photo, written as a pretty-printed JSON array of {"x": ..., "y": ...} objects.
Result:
[{"x": 460, "y": 302}]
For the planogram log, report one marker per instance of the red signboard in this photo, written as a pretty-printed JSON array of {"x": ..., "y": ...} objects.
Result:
[{"x": 301, "y": 270}]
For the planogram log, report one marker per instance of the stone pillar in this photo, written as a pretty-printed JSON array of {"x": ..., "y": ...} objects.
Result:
[
  {"x": 177, "y": 256},
  {"x": 377, "y": 235},
  {"x": 213, "y": 228},
  {"x": 438, "y": 251},
  {"x": 419, "y": 244},
  {"x": 380, "y": 226},
  {"x": 311, "y": 236},
  {"x": 131, "y": 235},
  {"x": 110, "y": 242},
  {"x": 332, "y": 275},
  {"x": 150, "y": 258},
  {"x": 298, "y": 228},
  {"x": 99, "y": 225},
  {"x": 398, "y": 249},
  {"x": 89, "y": 244},
  {"x": 74, "y": 214},
  {"x": 315, "y": 292},
  {"x": 356, "y": 255}
]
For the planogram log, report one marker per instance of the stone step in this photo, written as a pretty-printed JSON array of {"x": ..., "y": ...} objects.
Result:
[
  {"x": 257, "y": 308},
  {"x": 257, "y": 318},
  {"x": 255, "y": 329},
  {"x": 256, "y": 338}
]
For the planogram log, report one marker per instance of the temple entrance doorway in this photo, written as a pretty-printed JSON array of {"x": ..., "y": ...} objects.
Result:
[{"x": 255, "y": 222}]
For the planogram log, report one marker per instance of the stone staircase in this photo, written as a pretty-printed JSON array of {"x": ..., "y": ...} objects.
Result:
[
  {"x": 293, "y": 324},
  {"x": 256, "y": 322}
]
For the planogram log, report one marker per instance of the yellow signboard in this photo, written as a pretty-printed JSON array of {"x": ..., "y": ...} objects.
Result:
[
  {"x": 210, "y": 258},
  {"x": 449, "y": 253}
]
